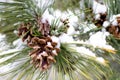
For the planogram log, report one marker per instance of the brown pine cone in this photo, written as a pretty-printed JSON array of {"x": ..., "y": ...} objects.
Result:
[
  {"x": 24, "y": 32},
  {"x": 44, "y": 49},
  {"x": 99, "y": 22},
  {"x": 114, "y": 30},
  {"x": 44, "y": 52},
  {"x": 118, "y": 20},
  {"x": 43, "y": 27}
]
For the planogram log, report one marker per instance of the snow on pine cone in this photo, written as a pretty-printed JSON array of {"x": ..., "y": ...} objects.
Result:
[
  {"x": 43, "y": 27},
  {"x": 114, "y": 27},
  {"x": 100, "y": 12},
  {"x": 44, "y": 49},
  {"x": 99, "y": 19}
]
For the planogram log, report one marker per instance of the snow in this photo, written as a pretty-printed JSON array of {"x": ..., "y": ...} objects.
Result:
[
  {"x": 43, "y": 54},
  {"x": 66, "y": 15},
  {"x": 57, "y": 40},
  {"x": 5, "y": 51},
  {"x": 59, "y": 14},
  {"x": 85, "y": 51},
  {"x": 71, "y": 30},
  {"x": 73, "y": 20},
  {"x": 99, "y": 40},
  {"x": 115, "y": 23},
  {"x": 79, "y": 13},
  {"x": 56, "y": 16},
  {"x": 101, "y": 60},
  {"x": 97, "y": 17},
  {"x": 106, "y": 24},
  {"x": 15, "y": 32},
  {"x": 65, "y": 38},
  {"x": 113, "y": 19},
  {"x": 88, "y": 27},
  {"x": 49, "y": 44},
  {"x": 99, "y": 8},
  {"x": 47, "y": 16},
  {"x": 4, "y": 69},
  {"x": 118, "y": 15},
  {"x": 19, "y": 44},
  {"x": 2, "y": 36},
  {"x": 3, "y": 45},
  {"x": 11, "y": 66},
  {"x": 54, "y": 52}
]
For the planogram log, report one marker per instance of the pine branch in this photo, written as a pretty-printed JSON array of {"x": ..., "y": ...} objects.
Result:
[
  {"x": 113, "y": 7},
  {"x": 73, "y": 61},
  {"x": 27, "y": 14},
  {"x": 22, "y": 12},
  {"x": 68, "y": 4}
]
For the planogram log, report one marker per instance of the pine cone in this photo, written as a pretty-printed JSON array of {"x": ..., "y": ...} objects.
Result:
[
  {"x": 118, "y": 20},
  {"x": 44, "y": 52},
  {"x": 44, "y": 49},
  {"x": 43, "y": 27},
  {"x": 99, "y": 22},
  {"x": 24, "y": 31},
  {"x": 115, "y": 29}
]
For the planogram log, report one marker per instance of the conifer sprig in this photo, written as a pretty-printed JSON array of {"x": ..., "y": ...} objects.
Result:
[{"x": 68, "y": 63}]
